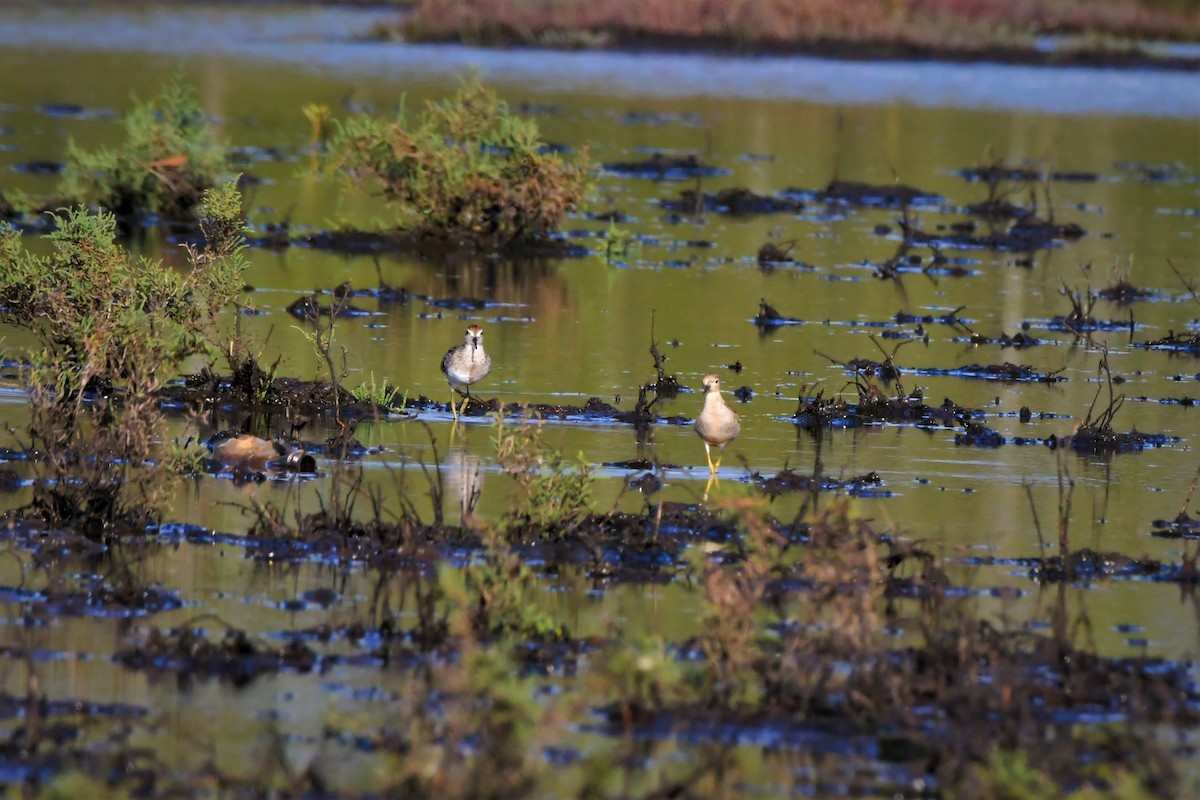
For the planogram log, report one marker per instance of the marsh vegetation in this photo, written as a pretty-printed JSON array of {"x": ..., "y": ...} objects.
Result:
[{"x": 950, "y": 554}]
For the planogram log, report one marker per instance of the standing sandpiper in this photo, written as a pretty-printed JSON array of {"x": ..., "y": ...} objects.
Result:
[
  {"x": 717, "y": 424},
  {"x": 465, "y": 364}
]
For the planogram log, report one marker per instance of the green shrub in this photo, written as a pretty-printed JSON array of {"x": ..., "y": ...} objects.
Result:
[
  {"x": 467, "y": 167},
  {"x": 108, "y": 328},
  {"x": 168, "y": 160}
]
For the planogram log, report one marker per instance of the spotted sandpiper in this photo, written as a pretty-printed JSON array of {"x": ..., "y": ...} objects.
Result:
[
  {"x": 717, "y": 424},
  {"x": 465, "y": 364}
]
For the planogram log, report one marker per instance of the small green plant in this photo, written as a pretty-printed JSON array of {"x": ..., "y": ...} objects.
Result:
[
  {"x": 620, "y": 244},
  {"x": 557, "y": 494},
  {"x": 381, "y": 394},
  {"x": 467, "y": 166},
  {"x": 168, "y": 160}
]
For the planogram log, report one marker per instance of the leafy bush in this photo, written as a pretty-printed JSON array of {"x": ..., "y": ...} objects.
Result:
[
  {"x": 167, "y": 162},
  {"x": 109, "y": 326},
  {"x": 466, "y": 166}
]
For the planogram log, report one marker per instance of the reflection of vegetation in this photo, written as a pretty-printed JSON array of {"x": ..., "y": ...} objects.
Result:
[
  {"x": 166, "y": 163},
  {"x": 467, "y": 167},
  {"x": 947, "y": 25},
  {"x": 109, "y": 327}
]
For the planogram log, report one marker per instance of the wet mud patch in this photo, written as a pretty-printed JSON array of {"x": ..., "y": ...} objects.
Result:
[{"x": 252, "y": 388}]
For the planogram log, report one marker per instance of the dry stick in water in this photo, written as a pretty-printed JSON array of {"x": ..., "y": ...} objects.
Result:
[
  {"x": 1186, "y": 284},
  {"x": 1187, "y": 501}
]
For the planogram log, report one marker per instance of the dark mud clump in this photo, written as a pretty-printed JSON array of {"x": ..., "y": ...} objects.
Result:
[
  {"x": 787, "y": 481},
  {"x": 998, "y": 172},
  {"x": 819, "y": 412},
  {"x": 1089, "y": 565},
  {"x": 428, "y": 243},
  {"x": 1018, "y": 341},
  {"x": 310, "y": 307},
  {"x": 662, "y": 167},
  {"x": 771, "y": 255},
  {"x": 1183, "y": 526},
  {"x": 1005, "y": 373},
  {"x": 867, "y": 195},
  {"x": 736, "y": 202},
  {"x": 1027, "y": 233},
  {"x": 1123, "y": 293},
  {"x": 768, "y": 318},
  {"x": 1100, "y": 439}
]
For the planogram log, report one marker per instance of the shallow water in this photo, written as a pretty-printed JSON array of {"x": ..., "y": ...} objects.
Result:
[{"x": 563, "y": 331}]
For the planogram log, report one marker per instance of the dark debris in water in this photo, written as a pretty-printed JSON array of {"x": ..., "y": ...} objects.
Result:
[
  {"x": 1017, "y": 341},
  {"x": 787, "y": 481},
  {"x": 1182, "y": 342},
  {"x": 867, "y": 195},
  {"x": 1123, "y": 292},
  {"x": 768, "y": 318},
  {"x": 819, "y": 412},
  {"x": 1081, "y": 324},
  {"x": 188, "y": 653},
  {"x": 1004, "y": 373},
  {"x": 1182, "y": 527},
  {"x": 1087, "y": 565}
]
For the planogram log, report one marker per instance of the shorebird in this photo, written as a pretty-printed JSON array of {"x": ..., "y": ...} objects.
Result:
[
  {"x": 717, "y": 424},
  {"x": 465, "y": 364}
]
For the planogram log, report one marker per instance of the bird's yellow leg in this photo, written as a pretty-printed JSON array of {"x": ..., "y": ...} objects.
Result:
[
  {"x": 720, "y": 455},
  {"x": 708, "y": 455},
  {"x": 453, "y": 404}
]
